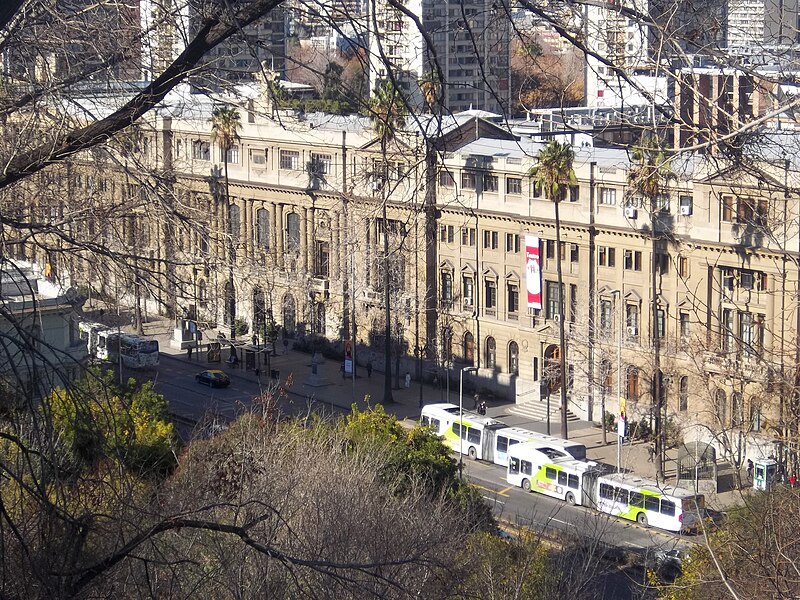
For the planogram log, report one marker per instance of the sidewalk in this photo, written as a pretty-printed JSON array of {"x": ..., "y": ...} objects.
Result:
[{"x": 342, "y": 393}]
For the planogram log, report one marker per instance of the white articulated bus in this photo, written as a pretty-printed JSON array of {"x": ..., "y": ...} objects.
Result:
[
  {"x": 551, "y": 472},
  {"x": 108, "y": 344},
  {"x": 630, "y": 497},
  {"x": 488, "y": 439}
]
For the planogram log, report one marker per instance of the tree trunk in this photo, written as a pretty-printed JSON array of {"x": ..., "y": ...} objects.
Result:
[
  {"x": 660, "y": 431},
  {"x": 230, "y": 301},
  {"x": 561, "y": 324}
]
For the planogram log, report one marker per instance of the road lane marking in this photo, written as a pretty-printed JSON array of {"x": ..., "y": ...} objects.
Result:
[
  {"x": 504, "y": 491},
  {"x": 495, "y": 500},
  {"x": 499, "y": 493}
]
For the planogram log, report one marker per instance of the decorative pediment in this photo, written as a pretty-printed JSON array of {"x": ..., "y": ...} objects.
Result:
[
  {"x": 446, "y": 265},
  {"x": 490, "y": 273},
  {"x": 632, "y": 296}
]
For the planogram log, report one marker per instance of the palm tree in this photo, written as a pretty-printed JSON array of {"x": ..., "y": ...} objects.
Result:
[
  {"x": 388, "y": 112},
  {"x": 647, "y": 176},
  {"x": 225, "y": 125},
  {"x": 554, "y": 175}
]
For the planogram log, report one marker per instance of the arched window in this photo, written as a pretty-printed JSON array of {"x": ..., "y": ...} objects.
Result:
[
  {"x": 234, "y": 222},
  {"x": 632, "y": 383},
  {"x": 293, "y": 231},
  {"x": 737, "y": 409},
  {"x": 229, "y": 308},
  {"x": 201, "y": 292},
  {"x": 289, "y": 314},
  {"x": 513, "y": 358},
  {"x": 469, "y": 348},
  {"x": 262, "y": 228},
  {"x": 491, "y": 353},
  {"x": 683, "y": 394},
  {"x": 721, "y": 402}
]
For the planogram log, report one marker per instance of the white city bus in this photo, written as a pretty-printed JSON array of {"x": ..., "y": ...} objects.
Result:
[
  {"x": 487, "y": 439},
  {"x": 628, "y": 496},
  {"x": 473, "y": 434},
  {"x": 551, "y": 472},
  {"x": 136, "y": 352}
]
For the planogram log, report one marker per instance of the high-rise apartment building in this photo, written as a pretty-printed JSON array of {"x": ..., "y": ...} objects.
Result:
[
  {"x": 261, "y": 44},
  {"x": 468, "y": 39}
]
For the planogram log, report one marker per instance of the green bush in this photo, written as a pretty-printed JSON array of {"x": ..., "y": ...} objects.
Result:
[
  {"x": 641, "y": 430},
  {"x": 609, "y": 421},
  {"x": 240, "y": 327}
]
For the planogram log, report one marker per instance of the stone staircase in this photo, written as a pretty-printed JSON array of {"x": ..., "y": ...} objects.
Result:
[{"x": 537, "y": 411}]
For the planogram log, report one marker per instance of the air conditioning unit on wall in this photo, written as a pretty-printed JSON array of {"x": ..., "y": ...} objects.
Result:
[
  {"x": 630, "y": 212},
  {"x": 557, "y": 318},
  {"x": 632, "y": 331}
]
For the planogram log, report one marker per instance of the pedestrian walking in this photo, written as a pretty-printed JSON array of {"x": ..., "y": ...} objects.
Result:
[
  {"x": 749, "y": 469},
  {"x": 285, "y": 346},
  {"x": 369, "y": 370},
  {"x": 651, "y": 452},
  {"x": 189, "y": 352},
  {"x": 408, "y": 380},
  {"x": 482, "y": 408},
  {"x": 476, "y": 399}
]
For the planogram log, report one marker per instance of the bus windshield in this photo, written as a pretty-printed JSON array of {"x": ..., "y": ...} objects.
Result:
[{"x": 148, "y": 346}]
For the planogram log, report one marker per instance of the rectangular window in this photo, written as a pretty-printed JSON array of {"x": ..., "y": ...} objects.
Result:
[
  {"x": 574, "y": 193},
  {"x": 513, "y": 464},
  {"x": 728, "y": 208},
  {"x": 502, "y": 445},
  {"x": 683, "y": 267},
  {"x": 467, "y": 287},
  {"x": 323, "y": 259},
  {"x": 320, "y": 163},
  {"x": 573, "y": 302},
  {"x": 467, "y": 236},
  {"x": 491, "y": 294},
  {"x": 550, "y": 249},
  {"x": 233, "y": 155},
  {"x": 527, "y": 467},
  {"x": 490, "y": 183},
  {"x": 490, "y": 240},
  {"x": 290, "y": 160},
  {"x": 633, "y": 260},
  {"x": 608, "y": 196},
  {"x": 684, "y": 325},
  {"x": 550, "y": 473},
  {"x": 553, "y": 301},
  {"x": 573, "y": 482},
  {"x": 636, "y": 500},
  {"x": 201, "y": 150},
  {"x": 562, "y": 478},
  {"x": 537, "y": 189},
  {"x": 446, "y": 179},
  {"x": 661, "y": 322},
  {"x": 512, "y": 290},
  {"x": 447, "y": 288},
  {"x": 727, "y": 330},
  {"x": 513, "y": 185},
  {"x": 574, "y": 253},
  {"x": 606, "y": 316},
  {"x": 651, "y": 503},
  {"x": 667, "y": 508},
  {"x": 258, "y": 157},
  {"x": 447, "y": 234},
  {"x": 468, "y": 181},
  {"x": 512, "y": 243}
]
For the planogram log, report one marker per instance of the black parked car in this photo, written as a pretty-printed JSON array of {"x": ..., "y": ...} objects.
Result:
[{"x": 213, "y": 378}]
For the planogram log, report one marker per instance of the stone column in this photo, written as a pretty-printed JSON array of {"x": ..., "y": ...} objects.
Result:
[
  {"x": 273, "y": 228},
  {"x": 248, "y": 210},
  {"x": 335, "y": 225}
]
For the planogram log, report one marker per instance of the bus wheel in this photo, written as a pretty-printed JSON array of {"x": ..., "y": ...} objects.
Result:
[
  {"x": 473, "y": 454},
  {"x": 526, "y": 485},
  {"x": 641, "y": 519},
  {"x": 570, "y": 498}
]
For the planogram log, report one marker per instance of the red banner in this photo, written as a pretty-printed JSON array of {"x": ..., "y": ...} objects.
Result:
[{"x": 533, "y": 272}]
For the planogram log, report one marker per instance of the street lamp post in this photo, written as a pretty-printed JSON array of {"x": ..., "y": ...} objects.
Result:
[
  {"x": 461, "y": 417},
  {"x": 620, "y": 316}
]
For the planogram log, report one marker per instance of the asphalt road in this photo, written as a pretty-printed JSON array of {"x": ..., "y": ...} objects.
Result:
[{"x": 193, "y": 403}]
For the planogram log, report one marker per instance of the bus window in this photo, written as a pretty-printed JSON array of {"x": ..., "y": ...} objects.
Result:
[
  {"x": 512, "y": 441},
  {"x": 651, "y": 503},
  {"x": 622, "y": 497},
  {"x": 606, "y": 491},
  {"x": 513, "y": 465},
  {"x": 425, "y": 421},
  {"x": 636, "y": 500},
  {"x": 527, "y": 468},
  {"x": 473, "y": 435},
  {"x": 573, "y": 482},
  {"x": 502, "y": 444},
  {"x": 667, "y": 508},
  {"x": 562, "y": 478},
  {"x": 457, "y": 429},
  {"x": 550, "y": 473}
]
